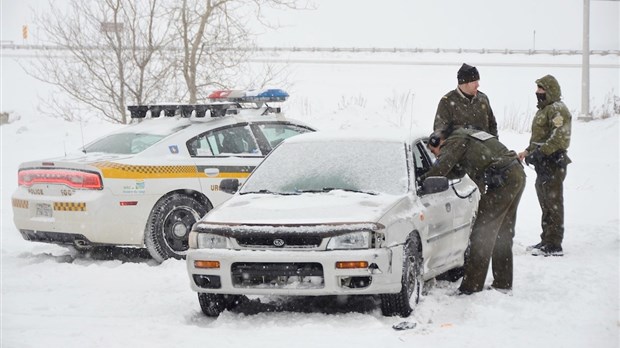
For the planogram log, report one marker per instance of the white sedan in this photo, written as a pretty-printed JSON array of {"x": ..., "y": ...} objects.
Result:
[
  {"x": 147, "y": 184},
  {"x": 334, "y": 213}
]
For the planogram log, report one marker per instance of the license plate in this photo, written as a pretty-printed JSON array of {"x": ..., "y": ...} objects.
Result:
[{"x": 44, "y": 209}]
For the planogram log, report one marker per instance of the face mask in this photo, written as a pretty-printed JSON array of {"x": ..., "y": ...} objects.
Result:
[{"x": 541, "y": 97}]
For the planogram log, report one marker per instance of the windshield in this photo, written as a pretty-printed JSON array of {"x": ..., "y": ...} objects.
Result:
[{"x": 319, "y": 166}]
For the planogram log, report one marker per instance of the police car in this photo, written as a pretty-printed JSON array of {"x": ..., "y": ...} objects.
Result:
[{"x": 146, "y": 185}]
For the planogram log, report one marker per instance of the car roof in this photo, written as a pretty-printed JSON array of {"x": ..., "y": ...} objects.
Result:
[
  {"x": 163, "y": 125},
  {"x": 381, "y": 134}
]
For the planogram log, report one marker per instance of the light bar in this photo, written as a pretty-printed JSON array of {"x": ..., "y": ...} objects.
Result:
[
  {"x": 185, "y": 110},
  {"x": 252, "y": 96},
  {"x": 225, "y": 102}
]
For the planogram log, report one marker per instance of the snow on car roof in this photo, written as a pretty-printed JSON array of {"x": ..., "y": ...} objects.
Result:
[{"x": 384, "y": 135}]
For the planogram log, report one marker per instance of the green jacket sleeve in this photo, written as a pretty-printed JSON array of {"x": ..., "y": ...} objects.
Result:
[
  {"x": 492, "y": 121},
  {"x": 443, "y": 115},
  {"x": 559, "y": 119},
  {"x": 451, "y": 153}
]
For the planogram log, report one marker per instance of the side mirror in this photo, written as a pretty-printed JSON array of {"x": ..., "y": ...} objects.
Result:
[
  {"x": 434, "y": 184},
  {"x": 229, "y": 185}
]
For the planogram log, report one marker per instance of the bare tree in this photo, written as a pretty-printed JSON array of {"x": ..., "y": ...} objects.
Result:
[
  {"x": 113, "y": 53},
  {"x": 120, "y": 52},
  {"x": 210, "y": 30}
]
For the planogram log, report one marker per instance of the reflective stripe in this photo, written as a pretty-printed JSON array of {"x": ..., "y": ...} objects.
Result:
[
  {"x": 112, "y": 170},
  {"x": 70, "y": 206},
  {"x": 20, "y": 203}
]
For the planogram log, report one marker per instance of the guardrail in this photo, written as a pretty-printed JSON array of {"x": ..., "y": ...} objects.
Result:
[{"x": 11, "y": 48}]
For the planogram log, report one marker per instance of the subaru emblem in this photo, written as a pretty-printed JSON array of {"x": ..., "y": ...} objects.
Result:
[{"x": 278, "y": 242}]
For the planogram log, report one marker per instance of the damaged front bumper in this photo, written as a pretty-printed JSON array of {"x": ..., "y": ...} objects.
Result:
[{"x": 284, "y": 272}]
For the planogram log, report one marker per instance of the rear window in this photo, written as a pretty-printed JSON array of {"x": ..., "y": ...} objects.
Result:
[{"x": 128, "y": 143}]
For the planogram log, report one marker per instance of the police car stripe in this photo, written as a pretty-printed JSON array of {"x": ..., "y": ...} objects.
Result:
[
  {"x": 126, "y": 171},
  {"x": 228, "y": 169}
]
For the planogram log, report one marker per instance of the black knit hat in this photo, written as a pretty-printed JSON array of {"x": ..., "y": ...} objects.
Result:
[
  {"x": 435, "y": 138},
  {"x": 467, "y": 73}
]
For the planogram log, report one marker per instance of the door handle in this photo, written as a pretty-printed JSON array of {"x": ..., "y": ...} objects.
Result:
[{"x": 212, "y": 172}]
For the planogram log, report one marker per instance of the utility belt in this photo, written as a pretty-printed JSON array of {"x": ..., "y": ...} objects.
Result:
[
  {"x": 541, "y": 162},
  {"x": 559, "y": 158},
  {"x": 497, "y": 177}
]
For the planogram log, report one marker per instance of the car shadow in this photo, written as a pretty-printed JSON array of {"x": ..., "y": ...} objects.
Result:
[
  {"x": 308, "y": 304},
  {"x": 109, "y": 253},
  {"x": 97, "y": 253}
]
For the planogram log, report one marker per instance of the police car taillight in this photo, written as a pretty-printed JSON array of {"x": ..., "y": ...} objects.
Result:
[{"x": 72, "y": 178}]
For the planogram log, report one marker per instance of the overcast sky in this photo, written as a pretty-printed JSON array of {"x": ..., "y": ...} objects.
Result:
[{"x": 415, "y": 23}]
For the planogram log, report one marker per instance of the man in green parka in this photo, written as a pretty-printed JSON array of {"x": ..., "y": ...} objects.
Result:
[
  {"x": 501, "y": 180},
  {"x": 551, "y": 130},
  {"x": 466, "y": 106}
]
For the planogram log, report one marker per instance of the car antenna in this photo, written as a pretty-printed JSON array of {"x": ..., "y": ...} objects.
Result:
[
  {"x": 411, "y": 118},
  {"x": 82, "y": 133}
]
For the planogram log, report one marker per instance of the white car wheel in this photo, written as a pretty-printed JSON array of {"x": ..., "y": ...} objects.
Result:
[
  {"x": 403, "y": 302},
  {"x": 214, "y": 304}
]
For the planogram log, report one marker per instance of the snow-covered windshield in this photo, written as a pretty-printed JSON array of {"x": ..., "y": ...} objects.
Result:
[{"x": 371, "y": 167}]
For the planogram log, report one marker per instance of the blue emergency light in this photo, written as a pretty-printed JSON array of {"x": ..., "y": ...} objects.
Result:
[{"x": 252, "y": 96}]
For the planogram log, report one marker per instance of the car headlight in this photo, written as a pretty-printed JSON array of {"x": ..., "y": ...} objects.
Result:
[
  {"x": 212, "y": 241},
  {"x": 355, "y": 240}
]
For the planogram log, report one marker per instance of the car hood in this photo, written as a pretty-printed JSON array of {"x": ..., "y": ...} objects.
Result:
[{"x": 331, "y": 208}]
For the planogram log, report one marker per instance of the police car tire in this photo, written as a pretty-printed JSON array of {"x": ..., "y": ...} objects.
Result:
[
  {"x": 159, "y": 235},
  {"x": 403, "y": 302}
]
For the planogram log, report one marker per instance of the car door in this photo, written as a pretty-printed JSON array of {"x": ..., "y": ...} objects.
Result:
[
  {"x": 450, "y": 245},
  {"x": 438, "y": 214},
  {"x": 222, "y": 153}
]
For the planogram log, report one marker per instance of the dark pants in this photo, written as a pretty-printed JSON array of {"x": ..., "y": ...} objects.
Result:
[
  {"x": 492, "y": 234},
  {"x": 550, "y": 190}
]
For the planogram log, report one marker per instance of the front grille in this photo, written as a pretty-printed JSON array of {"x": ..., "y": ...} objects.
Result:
[
  {"x": 277, "y": 275},
  {"x": 278, "y": 240}
]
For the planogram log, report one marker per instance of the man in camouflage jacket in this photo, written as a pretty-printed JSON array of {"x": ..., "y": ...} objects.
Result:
[
  {"x": 501, "y": 180},
  {"x": 551, "y": 130},
  {"x": 466, "y": 107}
]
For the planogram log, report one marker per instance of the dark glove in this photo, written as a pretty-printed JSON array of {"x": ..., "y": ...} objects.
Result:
[{"x": 534, "y": 158}]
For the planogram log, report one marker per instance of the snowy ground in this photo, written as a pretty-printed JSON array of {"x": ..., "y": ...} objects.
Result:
[{"x": 52, "y": 298}]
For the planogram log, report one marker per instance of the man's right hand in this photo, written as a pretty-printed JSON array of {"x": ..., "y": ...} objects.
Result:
[{"x": 534, "y": 158}]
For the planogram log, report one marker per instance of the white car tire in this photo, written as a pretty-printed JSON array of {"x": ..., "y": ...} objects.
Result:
[
  {"x": 214, "y": 304},
  {"x": 403, "y": 302}
]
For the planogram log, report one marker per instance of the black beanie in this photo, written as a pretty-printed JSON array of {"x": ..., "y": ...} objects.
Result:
[
  {"x": 467, "y": 73},
  {"x": 434, "y": 139}
]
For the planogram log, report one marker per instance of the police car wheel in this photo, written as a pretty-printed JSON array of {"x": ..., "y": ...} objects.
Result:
[
  {"x": 403, "y": 302},
  {"x": 169, "y": 224}
]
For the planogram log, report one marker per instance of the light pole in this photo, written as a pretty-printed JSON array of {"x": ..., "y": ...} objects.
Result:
[{"x": 585, "y": 65}]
